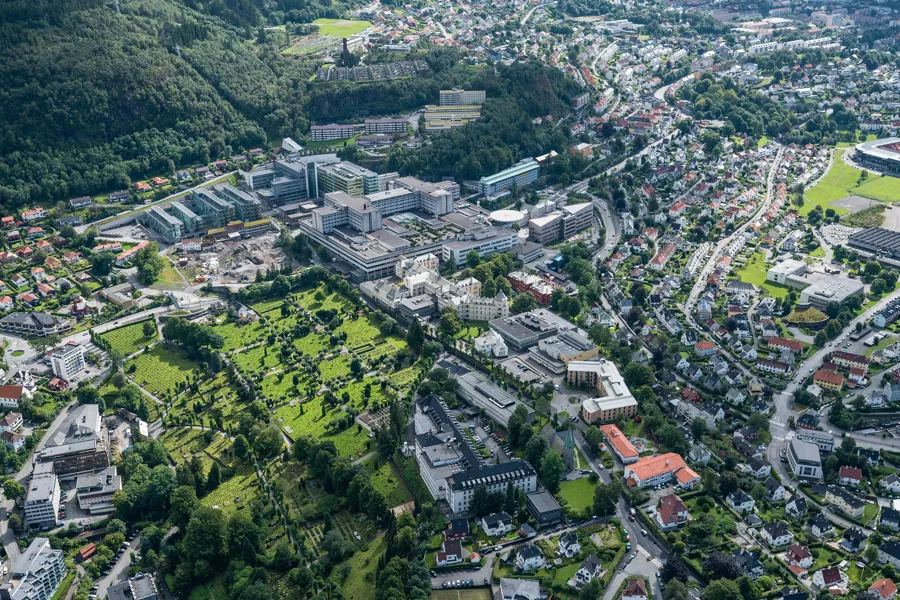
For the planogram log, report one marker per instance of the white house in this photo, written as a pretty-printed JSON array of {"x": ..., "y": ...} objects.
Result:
[
  {"x": 740, "y": 502},
  {"x": 13, "y": 441},
  {"x": 450, "y": 554},
  {"x": 891, "y": 483},
  {"x": 496, "y": 524},
  {"x": 568, "y": 545},
  {"x": 831, "y": 578},
  {"x": 774, "y": 489},
  {"x": 520, "y": 589},
  {"x": 800, "y": 556},
  {"x": 777, "y": 534},
  {"x": 529, "y": 558},
  {"x": 589, "y": 570}
]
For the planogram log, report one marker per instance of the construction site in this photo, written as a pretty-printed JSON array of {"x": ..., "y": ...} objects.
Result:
[{"x": 235, "y": 261}]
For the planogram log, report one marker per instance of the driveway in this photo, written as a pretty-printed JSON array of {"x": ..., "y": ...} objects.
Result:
[
  {"x": 643, "y": 564},
  {"x": 119, "y": 572}
]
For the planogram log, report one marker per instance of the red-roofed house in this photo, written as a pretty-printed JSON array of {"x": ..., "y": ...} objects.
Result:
[
  {"x": 850, "y": 476},
  {"x": 704, "y": 348},
  {"x": 828, "y": 380},
  {"x": 677, "y": 209},
  {"x": 780, "y": 343},
  {"x": 883, "y": 589},
  {"x": 671, "y": 513},
  {"x": 799, "y": 555},
  {"x": 623, "y": 448}
]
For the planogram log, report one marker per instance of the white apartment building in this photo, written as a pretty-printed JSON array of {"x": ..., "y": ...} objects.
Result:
[
  {"x": 42, "y": 500},
  {"x": 36, "y": 574},
  {"x": 804, "y": 459},
  {"x": 67, "y": 361},
  {"x": 461, "y": 97}
]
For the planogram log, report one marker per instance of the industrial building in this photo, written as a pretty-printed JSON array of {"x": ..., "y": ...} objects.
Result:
[
  {"x": 561, "y": 224},
  {"x": 555, "y": 353},
  {"x": 877, "y": 241}
]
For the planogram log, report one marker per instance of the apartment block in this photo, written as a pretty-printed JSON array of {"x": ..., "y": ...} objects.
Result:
[
  {"x": 36, "y": 574},
  {"x": 161, "y": 222},
  {"x": 42, "y": 500},
  {"x": 216, "y": 211},
  {"x": 461, "y": 97},
  {"x": 389, "y": 126},
  {"x": 327, "y": 133},
  {"x": 67, "y": 361},
  {"x": 521, "y": 175}
]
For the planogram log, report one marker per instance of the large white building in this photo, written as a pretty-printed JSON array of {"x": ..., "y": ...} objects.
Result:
[
  {"x": 36, "y": 574},
  {"x": 462, "y": 97},
  {"x": 805, "y": 460},
  {"x": 67, "y": 361},
  {"x": 42, "y": 500},
  {"x": 450, "y": 467}
]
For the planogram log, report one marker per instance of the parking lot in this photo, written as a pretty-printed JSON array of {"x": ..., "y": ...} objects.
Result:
[
  {"x": 479, "y": 577},
  {"x": 485, "y": 437}
]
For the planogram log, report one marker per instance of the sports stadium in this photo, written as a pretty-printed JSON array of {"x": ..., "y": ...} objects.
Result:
[{"x": 881, "y": 155}]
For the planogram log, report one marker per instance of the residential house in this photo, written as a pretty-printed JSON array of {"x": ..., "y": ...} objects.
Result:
[
  {"x": 774, "y": 489},
  {"x": 851, "y": 476},
  {"x": 819, "y": 526},
  {"x": 671, "y": 512},
  {"x": 635, "y": 589},
  {"x": 800, "y": 556},
  {"x": 740, "y": 501},
  {"x": 13, "y": 441},
  {"x": 568, "y": 545},
  {"x": 849, "y": 504},
  {"x": 853, "y": 540},
  {"x": 883, "y": 589},
  {"x": 831, "y": 578},
  {"x": 458, "y": 529},
  {"x": 796, "y": 507},
  {"x": 889, "y": 553},
  {"x": 450, "y": 553},
  {"x": 496, "y": 524},
  {"x": 589, "y": 570},
  {"x": 529, "y": 558},
  {"x": 890, "y": 518},
  {"x": 749, "y": 563},
  {"x": 777, "y": 534},
  {"x": 11, "y": 421},
  {"x": 520, "y": 589}
]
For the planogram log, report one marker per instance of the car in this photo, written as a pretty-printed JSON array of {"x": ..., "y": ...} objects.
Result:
[
  {"x": 468, "y": 583},
  {"x": 631, "y": 518},
  {"x": 81, "y": 523},
  {"x": 498, "y": 548},
  {"x": 633, "y": 555},
  {"x": 658, "y": 575},
  {"x": 643, "y": 532},
  {"x": 61, "y": 524},
  {"x": 445, "y": 585},
  {"x": 485, "y": 581}
]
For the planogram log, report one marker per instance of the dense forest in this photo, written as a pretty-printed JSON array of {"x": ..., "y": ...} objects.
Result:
[
  {"x": 505, "y": 134},
  {"x": 93, "y": 98}
]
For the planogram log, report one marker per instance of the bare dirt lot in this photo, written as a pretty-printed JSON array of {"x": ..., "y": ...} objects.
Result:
[{"x": 234, "y": 261}]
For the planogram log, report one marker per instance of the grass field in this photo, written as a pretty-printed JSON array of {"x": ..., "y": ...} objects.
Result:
[
  {"x": 235, "y": 493},
  {"x": 579, "y": 494},
  {"x": 259, "y": 358},
  {"x": 169, "y": 279},
  {"x": 238, "y": 335},
  {"x": 161, "y": 370},
  {"x": 388, "y": 481},
  {"x": 755, "y": 272},
  {"x": 340, "y": 27},
  {"x": 130, "y": 338},
  {"x": 841, "y": 181},
  {"x": 360, "y": 582},
  {"x": 212, "y": 590},
  {"x": 885, "y": 188}
]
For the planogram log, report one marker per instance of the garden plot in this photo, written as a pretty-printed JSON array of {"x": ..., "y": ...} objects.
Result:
[
  {"x": 387, "y": 480},
  {"x": 335, "y": 368},
  {"x": 183, "y": 443},
  {"x": 329, "y": 300},
  {"x": 129, "y": 339},
  {"x": 281, "y": 386},
  {"x": 312, "y": 344},
  {"x": 161, "y": 370},
  {"x": 346, "y": 524}
]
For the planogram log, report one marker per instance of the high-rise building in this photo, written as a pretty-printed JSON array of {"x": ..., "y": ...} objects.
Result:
[
  {"x": 42, "y": 500},
  {"x": 36, "y": 574},
  {"x": 327, "y": 133},
  {"x": 158, "y": 220},
  {"x": 216, "y": 211},
  {"x": 67, "y": 361},
  {"x": 346, "y": 177},
  {"x": 192, "y": 221},
  {"x": 246, "y": 207}
]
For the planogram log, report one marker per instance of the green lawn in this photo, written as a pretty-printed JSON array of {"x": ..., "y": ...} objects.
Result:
[
  {"x": 839, "y": 182},
  {"x": 388, "y": 481},
  {"x": 463, "y": 594},
  {"x": 213, "y": 590},
  {"x": 579, "y": 494},
  {"x": 885, "y": 188},
  {"x": 564, "y": 574},
  {"x": 755, "y": 270},
  {"x": 340, "y": 27},
  {"x": 762, "y": 142},
  {"x": 869, "y": 512},
  {"x": 161, "y": 369},
  {"x": 130, "y": 338},
  {"x": 237, "y": 335},
  {"x": 169, "y": 279},
  {"x": 361, "y": 581}
]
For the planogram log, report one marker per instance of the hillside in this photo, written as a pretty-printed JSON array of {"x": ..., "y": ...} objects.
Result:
[{"x": 93, "y": 99}]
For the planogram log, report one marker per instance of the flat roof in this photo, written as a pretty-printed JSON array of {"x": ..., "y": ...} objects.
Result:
[
  {"x": 543, "y": 501},
  {"x": 517, "y": 169}
]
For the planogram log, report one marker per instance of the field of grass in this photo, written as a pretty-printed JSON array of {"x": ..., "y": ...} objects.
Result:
[
  {"x": 169, "y": 279},
  {"x": 388, "y": 481},
  {"x": 360, "y": 331},
  {"x": 259, "y": 358},
  {"x": 335, "y": 368},
  {"x": 129, "y": 338},
  {"x": 215, "y": 394},
  {"x": 237, "y": 335},
  {"x": 235, "y": 493},
  {"x": 161, "y": 370},
  {"x": 332, "y": 300},
  {"x": 754, "y": 271},
  {"x": 349, "y": 442},
  {"x": 361, "y": 581},
  {"x": 578, "y": 494},
  {"x": 212, "y": 590},
  {"x": 839, "y": 182},
  {"x": 762, "y": 142},
  {"x": 340, "y": 27},
  {"x": 885, "y": 188},
  {"x": 281, "y": 385}
]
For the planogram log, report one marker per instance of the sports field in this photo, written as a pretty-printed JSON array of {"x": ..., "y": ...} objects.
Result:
[
  {"x": 841, "y": 181},
  {"x": 340, "y": 27},
  {"x": 886, "y": 188}
]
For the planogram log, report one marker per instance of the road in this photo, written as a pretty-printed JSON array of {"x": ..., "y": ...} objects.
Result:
[
  {"x": 700, "y": 284},
  {"x": 119, "y": 571},
  {"x": 531, "y": 12}
]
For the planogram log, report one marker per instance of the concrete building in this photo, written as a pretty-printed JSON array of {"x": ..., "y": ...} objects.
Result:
[
  {"x": 498, "y": 404},
  {"x": 877, "y": 241},
  {"x": 555, "y": 353},
  {"x": 804, "y": 459},
  {"x": 817, "y": 289},
  {"x": 78, "y": 445},
  {"x": 95, "y": 490},
  {"x": 67, "y": 361},
  {"x": 561, "y": 224},
  {"x": 140, "y": 587},
  {"x": 216, "y": 212},
  {"x": 327, "y": 133},
  {"x": 521, "y": 175},
  {"x": 389, "y": 126},
  {"x": 882, "y": 155},
  {"x": 654, "y": 470},
  {"x": 36, "y": 574},
  {"x": 445, "y": 118},
  {"x": 461, "y": 97},
  {"x": 614, "y": 397},
  {"x": 346, "y": 177},
  {"x": 42, "y": 500},
  {"x": 544, "y": 508},
  {"x": 246, "y": 207},
  {"x": 161, "y": 222},
  {"x": 449, "y": 465},
  {"x": 38, "y": 324},
  {"x": 525, "y": 330},
  {"x": 190, "y": 220}
]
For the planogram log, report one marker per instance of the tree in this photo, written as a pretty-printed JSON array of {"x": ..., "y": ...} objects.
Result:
[
  {"x": 15, "y": 523},
  {"x": 535, "y": 449},
  {"x": 675, "y": 590},
  {"x": 241, "y": 447},
  {"x": 149, "y": 328},
  {"x": 594, "y": 437},
  {"x": 214, "y": 478},
  {"x": 473, "y": 259},
  {"x": 517, "y": 425},
  {"x": 636, "y": 375},
  {"x": 722, "y": 589},
  {"x": 523, "y": 302},
  {"x": 284, "y": 558},
  {"x": 415, "y": 336},
  {"x": 334, "y": 545},
  {"x": 183, "y": 504},
  {"x": 149, "y": 263},
  {"x": 606, "y": 498},
  {"x": 675, "y": 569},
  {"x": 759, "y": 421},
  {"x": 699, "y": 428},
  {"x": 551, "y": 470},
  {"x": 450, "y": 323},
  {"x": 591, "y": 591},
  {"x": 206, "y": 534},
  {"x": 13, "y": 490},
  {"x": 116, "y": 526},
  {"x": 721, "y": 565}
]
